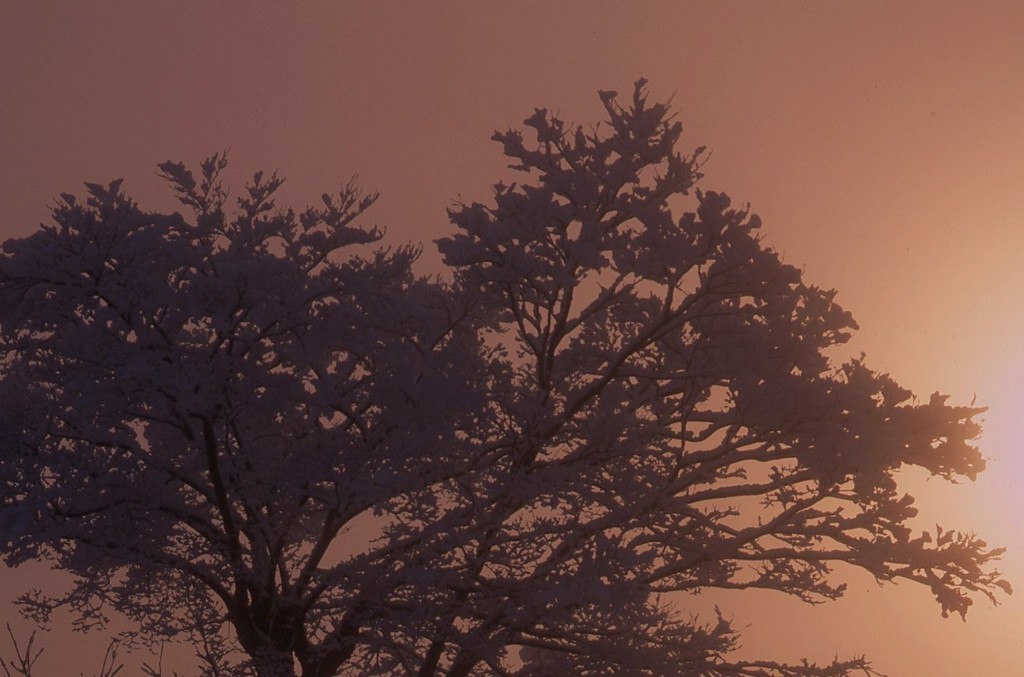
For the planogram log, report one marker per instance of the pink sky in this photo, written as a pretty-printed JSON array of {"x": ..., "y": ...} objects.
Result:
[{"x": 881, "y": 142}]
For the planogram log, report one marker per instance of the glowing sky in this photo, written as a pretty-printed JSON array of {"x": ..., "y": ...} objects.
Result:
[{"x": 881, "y": 142}]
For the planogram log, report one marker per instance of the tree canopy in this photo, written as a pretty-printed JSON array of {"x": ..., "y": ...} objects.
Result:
[{"x": 261, "y": 431}]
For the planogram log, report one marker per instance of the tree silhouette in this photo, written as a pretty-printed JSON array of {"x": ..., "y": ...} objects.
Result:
[{"x": 252, "y": 430}]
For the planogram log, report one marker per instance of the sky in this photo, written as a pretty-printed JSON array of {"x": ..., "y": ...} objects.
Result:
[{"x": 882, "y": 144}]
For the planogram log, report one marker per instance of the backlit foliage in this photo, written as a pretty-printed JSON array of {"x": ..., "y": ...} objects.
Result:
[{"x": 249, "y": 429}]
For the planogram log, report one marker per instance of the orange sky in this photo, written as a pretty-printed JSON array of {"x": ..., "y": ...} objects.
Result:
[{"x": 881, "y": 142}]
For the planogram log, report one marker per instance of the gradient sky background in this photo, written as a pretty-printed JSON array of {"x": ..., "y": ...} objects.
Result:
[{"x": 881, "y": 142}]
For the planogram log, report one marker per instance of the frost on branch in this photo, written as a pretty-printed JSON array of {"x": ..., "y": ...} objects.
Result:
[{"x": 248, "y": 429}]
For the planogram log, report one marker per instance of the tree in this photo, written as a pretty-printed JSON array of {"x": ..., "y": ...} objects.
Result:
[{"x": 251, "y": 430}]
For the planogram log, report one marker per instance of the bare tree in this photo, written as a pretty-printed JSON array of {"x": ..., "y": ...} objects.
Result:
[
  {"x": 24, "y": 661},
  {"x": 246, "y": 429}
]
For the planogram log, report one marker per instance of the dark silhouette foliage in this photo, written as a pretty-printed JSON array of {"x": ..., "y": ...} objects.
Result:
[{"x": 249, "y": 429}]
